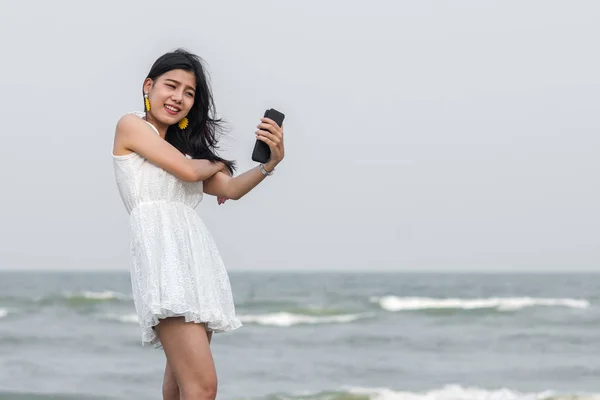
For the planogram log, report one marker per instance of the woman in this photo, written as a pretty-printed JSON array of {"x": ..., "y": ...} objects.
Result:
[{"x": 164, "y": 160}]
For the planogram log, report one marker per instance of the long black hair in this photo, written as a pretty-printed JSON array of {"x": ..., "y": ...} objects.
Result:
[{"x": 200, "y": 138}]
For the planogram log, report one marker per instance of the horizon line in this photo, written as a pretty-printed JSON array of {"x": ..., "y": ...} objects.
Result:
[{"x": 347, "y": 271}]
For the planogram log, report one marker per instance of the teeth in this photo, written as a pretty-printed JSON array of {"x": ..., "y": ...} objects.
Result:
[{"x": 171, "y": 108}]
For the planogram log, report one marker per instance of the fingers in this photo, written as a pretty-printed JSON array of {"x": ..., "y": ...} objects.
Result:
[
  {"x": 221, "y": 200},
  {"x": 264, "y": 137},
  {"x": 269, "y": 121},
  {"x": 271, "y": 134},
  {"x": 270, "y": 125}
]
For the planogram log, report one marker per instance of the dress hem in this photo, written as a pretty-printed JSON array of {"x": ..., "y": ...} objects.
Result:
[{"x": 215, "y": 322}]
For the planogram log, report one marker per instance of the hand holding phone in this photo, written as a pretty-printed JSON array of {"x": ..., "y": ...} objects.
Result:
[{"x": 262, "y": 152}]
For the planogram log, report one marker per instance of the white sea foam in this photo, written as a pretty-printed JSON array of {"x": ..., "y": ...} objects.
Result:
[
  {"x": 395, "y": 303},
  {"x": 282, "y": 319},
  {"x": 127, "y": 318},
  {"x": 3, "y": 312},
  {"x": 104, "y": 295},
  {"x": 285, "y": 319},
  {"x": 457, "y": 392}
]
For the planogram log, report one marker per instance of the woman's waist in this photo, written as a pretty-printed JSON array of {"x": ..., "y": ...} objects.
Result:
[{"x": 161, "y": 203}]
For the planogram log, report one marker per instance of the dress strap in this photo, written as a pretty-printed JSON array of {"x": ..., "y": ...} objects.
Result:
[{"x": 142, "y": 114}]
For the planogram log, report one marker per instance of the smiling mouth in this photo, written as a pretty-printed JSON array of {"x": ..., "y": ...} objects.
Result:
[{"x": 171, "y": 109}]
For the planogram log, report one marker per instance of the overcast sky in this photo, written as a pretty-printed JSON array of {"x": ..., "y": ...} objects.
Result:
[{"x": 420, "y": 136}]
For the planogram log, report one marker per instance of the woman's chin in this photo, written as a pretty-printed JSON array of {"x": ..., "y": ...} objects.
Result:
[{"x": 167, "y": 119}]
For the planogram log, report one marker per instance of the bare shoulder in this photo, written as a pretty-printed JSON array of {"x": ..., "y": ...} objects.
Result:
[
  {"x": 129, "y": 122},
  {"x": 133, "y": 127},
  {"x": 127, "y": 125}
]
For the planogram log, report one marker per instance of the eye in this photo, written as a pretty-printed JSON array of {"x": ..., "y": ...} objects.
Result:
[
  {"x": 171, "y": 86},
  {"x": 190, "y": 94}
]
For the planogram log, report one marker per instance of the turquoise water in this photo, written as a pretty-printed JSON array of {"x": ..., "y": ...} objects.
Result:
[{"x": 316, "y": 336}]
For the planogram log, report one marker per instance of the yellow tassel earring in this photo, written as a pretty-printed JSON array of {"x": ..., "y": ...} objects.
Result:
[
  {"x": 146, "y": 102},
  {"x": 183, "y": 123}
]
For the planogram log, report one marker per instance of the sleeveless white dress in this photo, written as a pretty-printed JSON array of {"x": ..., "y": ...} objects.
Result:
[{"x": 176, "y": 268}]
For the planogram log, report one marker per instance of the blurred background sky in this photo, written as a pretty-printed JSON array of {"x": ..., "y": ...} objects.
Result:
[{"x": 420, "y": 136}]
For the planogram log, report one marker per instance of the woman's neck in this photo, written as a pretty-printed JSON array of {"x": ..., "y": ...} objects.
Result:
[{"x": 161, "y": 128}]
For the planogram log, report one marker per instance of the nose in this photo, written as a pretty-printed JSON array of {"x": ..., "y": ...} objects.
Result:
[{"x": 177, "y": 96}]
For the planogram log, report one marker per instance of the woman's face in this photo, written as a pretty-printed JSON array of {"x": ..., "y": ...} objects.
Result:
[{"x": 171, "y": 95}]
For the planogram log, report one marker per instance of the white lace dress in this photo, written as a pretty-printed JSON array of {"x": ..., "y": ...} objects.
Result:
[{"x": 176, "y": 268}]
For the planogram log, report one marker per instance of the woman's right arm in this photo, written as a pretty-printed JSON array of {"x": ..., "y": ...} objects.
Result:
[{"x": 136, "y": 135}]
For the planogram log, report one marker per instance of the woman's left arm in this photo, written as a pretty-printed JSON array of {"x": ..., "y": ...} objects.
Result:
[{"x": 225, "y": 187}]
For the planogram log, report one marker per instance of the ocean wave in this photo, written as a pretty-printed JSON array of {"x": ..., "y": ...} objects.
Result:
[
  {"x": 287, "y": 319},
  {"x": 449, "y": 392},
  {"x": 67, "y": 299},
  {"x": 47, "y": 396},
  {"x": 105, "y": 295},
  {"x": 3, "y": 312},
  {"x": 265, "y": 304},
  {"x": 316, "y": 311},
  {"x": 395, "y": 303},
  {"x": 126, "y": 318},
  {"x": 83, "y": 298},
  {"x": 281, "y": 319}
]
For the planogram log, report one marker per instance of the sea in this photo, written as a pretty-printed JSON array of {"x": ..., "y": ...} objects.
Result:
[{"x": 316, "y": 336}]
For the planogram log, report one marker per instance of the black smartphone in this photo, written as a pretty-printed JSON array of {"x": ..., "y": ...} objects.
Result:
[{"x": 261, "y": 152}]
